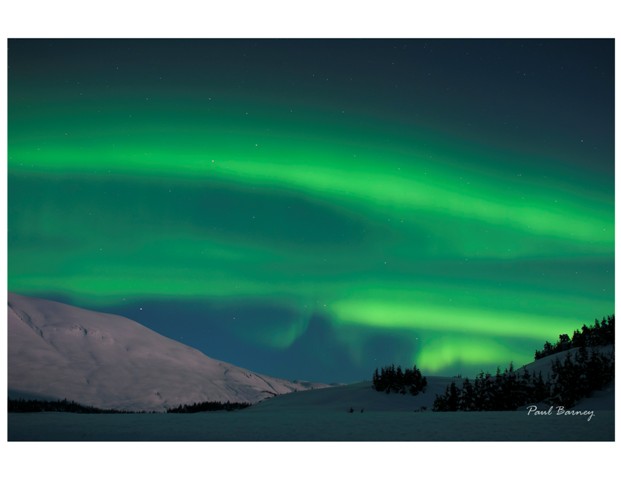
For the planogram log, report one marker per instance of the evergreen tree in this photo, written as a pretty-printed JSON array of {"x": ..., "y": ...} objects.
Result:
[
  {"x": 452, "y": 400},
  {"x": 376, "y": 379},
  {"x": 541, "y": 389},
  {"x": 398, "y": 384},
  {"x": 466, "y": 400}
]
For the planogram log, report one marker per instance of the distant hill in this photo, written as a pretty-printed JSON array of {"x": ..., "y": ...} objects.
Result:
[{"x": 57, "y": 351}]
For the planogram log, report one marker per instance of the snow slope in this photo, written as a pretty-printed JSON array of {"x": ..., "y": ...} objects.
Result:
[
  {"x": 362, "y": 397},
  {"x": 544, "y": 365},
  {"x": 108, "y": 361},
  {"x": 359, "y": 397}
]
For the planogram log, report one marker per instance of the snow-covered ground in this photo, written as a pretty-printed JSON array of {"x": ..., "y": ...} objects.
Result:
[
  {"x": 324, "y": 415},
  {"x": 311, "y": 426}
]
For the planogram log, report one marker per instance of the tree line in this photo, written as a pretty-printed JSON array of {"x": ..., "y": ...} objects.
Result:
[
  {"x": 573, "y": 378},
  {"x": 395, "y": 379},
  {"x": 579, "y": 374},
  {"x": 32, "y": 406},
  {"x": 208, "y": 407},
  {"x": 598, "y": 334},
  {"x": 18, "y": 405}
]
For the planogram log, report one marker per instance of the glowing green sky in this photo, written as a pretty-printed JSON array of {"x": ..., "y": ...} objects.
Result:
[{"x": 449, "y": 203}]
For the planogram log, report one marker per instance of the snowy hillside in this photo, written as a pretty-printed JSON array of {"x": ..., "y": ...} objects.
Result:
[
  {"x": 58, "y": 351},
  {"x": 544, "y": 365},
  {"x": 357, "y": 396},
  {"x": 362, "y": 396}
]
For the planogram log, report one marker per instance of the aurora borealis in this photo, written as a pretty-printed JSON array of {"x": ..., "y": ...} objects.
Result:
[{"x": 317, "y": 208}]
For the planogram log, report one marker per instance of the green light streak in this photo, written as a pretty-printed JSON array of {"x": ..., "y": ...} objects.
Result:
[
  {"x": 416, "y": 316},
  {"x": 375, "y": 184},
  {"x": 471, "y": 352}
]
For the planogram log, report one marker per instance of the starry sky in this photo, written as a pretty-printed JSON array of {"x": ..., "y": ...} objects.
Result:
[{"x": 313, "y": 209}]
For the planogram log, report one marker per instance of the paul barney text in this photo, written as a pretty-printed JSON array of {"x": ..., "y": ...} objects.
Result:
[{"x": 534, "y": 410}]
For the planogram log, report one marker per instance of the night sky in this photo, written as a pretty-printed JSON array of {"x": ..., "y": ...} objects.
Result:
[{"x": 313, "y": 209}]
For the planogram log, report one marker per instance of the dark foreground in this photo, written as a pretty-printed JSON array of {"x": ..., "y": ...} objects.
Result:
[{"x": 249, "y": 425}]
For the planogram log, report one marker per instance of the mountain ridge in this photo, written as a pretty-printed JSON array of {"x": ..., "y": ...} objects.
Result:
[{"x": 60, "y": 351}]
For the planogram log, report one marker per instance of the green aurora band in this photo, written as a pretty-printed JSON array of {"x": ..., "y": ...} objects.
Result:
[{"x": 472, "y": 253}]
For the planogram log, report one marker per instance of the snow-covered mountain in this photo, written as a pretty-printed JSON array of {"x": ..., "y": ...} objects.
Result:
[{"x": 59, "y": 351}]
